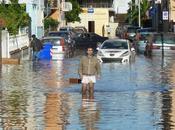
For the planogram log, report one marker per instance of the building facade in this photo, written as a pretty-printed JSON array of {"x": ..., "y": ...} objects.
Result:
[
  {"x": 97, "y": 16},
  {"x": 172, "y": 10},
  {"x": 35, "y": 9}
]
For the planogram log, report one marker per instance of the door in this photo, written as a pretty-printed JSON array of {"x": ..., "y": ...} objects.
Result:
[{"x": 91, "y": 26}]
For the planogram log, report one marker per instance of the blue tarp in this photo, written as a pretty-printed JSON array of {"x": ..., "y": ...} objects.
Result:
[{"x": 45, "y": 52}]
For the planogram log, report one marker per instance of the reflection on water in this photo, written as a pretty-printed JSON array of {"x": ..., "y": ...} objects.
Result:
[
  {"x": 38, "y": 96},
  {"x": 89, "y": 114},
  {"x": 56, "y": 112}
]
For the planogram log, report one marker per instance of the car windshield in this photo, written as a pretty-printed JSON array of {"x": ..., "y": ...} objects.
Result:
[
  {"x": 166, "y": 39},
  {"x": 54, "y": 42},
  {"x": 115, "y": 45}
]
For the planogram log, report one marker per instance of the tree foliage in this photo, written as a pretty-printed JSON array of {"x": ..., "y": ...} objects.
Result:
[
  {"x": 133, "y": 11},
  {"x": 73, "y": 15},
  {"x": 50, "y": 23},
  {"x": 14, "y": 16}
]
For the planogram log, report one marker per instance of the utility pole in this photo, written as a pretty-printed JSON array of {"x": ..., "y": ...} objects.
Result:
[
  {"x": 62, "y": 14},
  {"x": 137, "y": 3},
  {"x": 139, "y": 14}
]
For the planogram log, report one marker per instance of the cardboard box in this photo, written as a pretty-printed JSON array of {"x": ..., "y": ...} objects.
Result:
[{"x": 74, "y": 80}]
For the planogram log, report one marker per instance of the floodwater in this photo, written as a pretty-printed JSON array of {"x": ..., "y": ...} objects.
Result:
[{"x": 135, "y": 96}]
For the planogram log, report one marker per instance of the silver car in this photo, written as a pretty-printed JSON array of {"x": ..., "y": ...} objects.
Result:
[
  {"x": 58, "y": 47},
  {"x": 115, "y": 50}
]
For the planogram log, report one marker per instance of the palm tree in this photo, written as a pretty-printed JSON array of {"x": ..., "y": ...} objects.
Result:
[{"x": 133, "y": 12}]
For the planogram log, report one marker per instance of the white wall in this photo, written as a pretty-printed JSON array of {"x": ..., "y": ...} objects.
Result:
[
  {"x": 12, "y": 43},
  {"x": 35, "y": 9},
  {"x": 4, "y": 44},
  {"x": 121, "y": 6}
]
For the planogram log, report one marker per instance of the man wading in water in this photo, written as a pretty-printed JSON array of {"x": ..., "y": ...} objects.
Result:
[{"x": 89, "y": 70}]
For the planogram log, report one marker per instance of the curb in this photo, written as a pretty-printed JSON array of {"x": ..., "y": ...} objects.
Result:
[{"x": 14, "y": 61}]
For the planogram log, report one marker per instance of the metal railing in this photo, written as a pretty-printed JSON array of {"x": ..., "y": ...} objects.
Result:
[
  {"x": 13, "y": 43},
  {"x": 18, "y": 42},
  {"x": 97, "y": 5}
]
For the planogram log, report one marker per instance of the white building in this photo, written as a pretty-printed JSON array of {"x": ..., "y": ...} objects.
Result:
[
  {"x": 35, "y": 9},
  {"x": 121, "y": 6},
  {"x": 6, "y": 1}
]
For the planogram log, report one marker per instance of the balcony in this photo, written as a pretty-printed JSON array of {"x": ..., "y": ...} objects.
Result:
[{"x": 97, "y": 5}]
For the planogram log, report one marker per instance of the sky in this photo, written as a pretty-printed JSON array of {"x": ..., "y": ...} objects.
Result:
[{"x": 121, "y": 6}]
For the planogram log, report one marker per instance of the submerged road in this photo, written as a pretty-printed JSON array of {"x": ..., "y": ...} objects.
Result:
[{"x": 135, "y": 96}]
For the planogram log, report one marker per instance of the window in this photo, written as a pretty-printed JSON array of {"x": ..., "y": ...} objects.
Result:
[{"x": 115, "y": 45}]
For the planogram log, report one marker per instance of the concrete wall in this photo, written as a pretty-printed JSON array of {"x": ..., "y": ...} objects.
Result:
[{"x": 4, "y": 44}]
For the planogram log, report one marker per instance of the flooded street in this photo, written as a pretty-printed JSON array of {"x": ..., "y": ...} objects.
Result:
[{"x": 38, "y": 96}]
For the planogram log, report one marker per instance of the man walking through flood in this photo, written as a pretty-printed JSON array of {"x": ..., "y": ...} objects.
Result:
[
  {"x": 36, "y": 46},
  {"x": 89, "y": 70}
]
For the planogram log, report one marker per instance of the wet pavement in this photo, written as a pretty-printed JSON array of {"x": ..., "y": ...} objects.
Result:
[{"x": 135, "y": 96}]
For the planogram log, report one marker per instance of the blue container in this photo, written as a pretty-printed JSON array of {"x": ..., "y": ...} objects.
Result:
[{"x": 44, "y": 54}]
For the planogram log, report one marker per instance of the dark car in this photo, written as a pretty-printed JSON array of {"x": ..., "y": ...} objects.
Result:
[
  {"x": 145, "y": 31},
  {"x": 80, "y": 29},
  {"x": 126, "y": 31},
  {"x": 89, "y": 39},
  {"x": 131, "y": 31}
]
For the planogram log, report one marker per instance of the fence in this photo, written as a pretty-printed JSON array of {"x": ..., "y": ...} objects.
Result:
[{"x": 11, "y": 44}]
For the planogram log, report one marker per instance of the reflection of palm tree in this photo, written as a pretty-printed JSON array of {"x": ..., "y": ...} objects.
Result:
[{"x": 89, "y": 114}]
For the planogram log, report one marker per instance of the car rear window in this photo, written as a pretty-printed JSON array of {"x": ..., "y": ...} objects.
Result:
[
  {"x": 115, "y": 45},
  {"x": 61, "y": 34},
  {"x": 54, "y": 42}
]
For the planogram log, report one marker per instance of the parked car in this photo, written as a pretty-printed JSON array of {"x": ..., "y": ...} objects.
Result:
[
  {"x": 159, "y": 43},
  {"x": 143, "y": 41},
  {"x": 66, "y": 28},
  {"x": 168, "y": 44},
  {"x": 115, "y": 50},
  {"x": 126, "y": 31},
  {"x": 58, "y": 47},
  {"x": 67, "y": 35},
  {"x": 145, "y": 31},
  {"x": 80, "y": 29},
  {"x": 89, "y": 39},
  {"x": 131, "y": 31}
]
